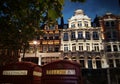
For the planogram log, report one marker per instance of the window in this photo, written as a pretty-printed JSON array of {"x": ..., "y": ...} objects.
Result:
[
  {"x": 87, "y": 34},
  {"x": 112, "y": 23},
  {"x": 95, "y": 36},
  {"x": 108, "y": 48},
  {"x": 81, "y": 46},
  {"x": 44, "y": 48},
  {"x": 73, "y": 47},
  {"x": 117, "y": 61},
  {"x": 111, "y": 63},
  {"x": 47, "y": 28},
  {"x": 82, "y": 62},
  {"x": 45, "y": 37},
  {"x": 56, "y": 48},
  {"x": 66, "y": 48},
  {"x": 56, "y": 37},
  {"x": 65, "y": 38},
  {"x": 79, "y": 23},
  {"x": 87, "y": 46},
  {"x": 80, "y": 35},
  {"x": 86, "y": 23},
  {"x": 50, "y": 48},
  {"x": 72, "y": 35},
  {"x": 96, "y": 47},
  {"x": 107, "y": 24},
  {"x": 109, "y": 36},
  {"x": 51, "y": 38},
  {"x": 112, "y": 35},
  {"x": 73, "y": 25},
  {"x": 51, "y": 27},
  {"x": 98, "y": 63},
  {"x": 115, "y": 47},
  {"x": 89, "y": 63}
]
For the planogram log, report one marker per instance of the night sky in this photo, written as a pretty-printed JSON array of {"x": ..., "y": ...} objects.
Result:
[{"x": 91, "y": 8}]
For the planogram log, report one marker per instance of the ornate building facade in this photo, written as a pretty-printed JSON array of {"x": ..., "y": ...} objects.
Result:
[
  {"x": 94, "y": 46},
  {"x": 82, "y": 43},
  {"x": 110, "y": 32}
]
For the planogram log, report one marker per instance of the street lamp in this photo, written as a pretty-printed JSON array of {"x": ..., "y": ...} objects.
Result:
[{"x": 35, "y": 48}]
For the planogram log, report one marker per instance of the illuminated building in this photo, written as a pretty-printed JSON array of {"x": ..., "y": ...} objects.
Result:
[{"x": 83, "y": 43}]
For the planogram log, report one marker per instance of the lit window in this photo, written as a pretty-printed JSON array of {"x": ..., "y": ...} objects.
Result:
[
  {"x": 81, "y": 46},
  {"x": 66, "y": 48},
  {"x": 87, "y": 46},
  {"x": 96, "y": 47},
  {"x": 50, "y": 48},
  {"x": 73, "y": 47}
]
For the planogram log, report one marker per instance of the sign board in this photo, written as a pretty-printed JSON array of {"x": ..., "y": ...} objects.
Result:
[
  {"x": 60, "y": 72},
  {"x": 15, "y": 72}
]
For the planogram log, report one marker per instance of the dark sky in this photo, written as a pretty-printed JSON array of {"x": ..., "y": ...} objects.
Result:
[{"x": 91, "y": 8}]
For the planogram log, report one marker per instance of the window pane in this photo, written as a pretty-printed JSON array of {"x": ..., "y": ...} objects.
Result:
[
  {"x": 95, "y": 36},
  {"x": 115, "y": 47},
  {"x": 73, "y": 35},
  {"x": 111, "y": 63},
  {"x": 89, "y": 63},
  {"x": 80, "y": 35},
  {"x": 98, "y": 63},
  {"x": 65, "y": 38},
  {"x": 87, "y": 35}
]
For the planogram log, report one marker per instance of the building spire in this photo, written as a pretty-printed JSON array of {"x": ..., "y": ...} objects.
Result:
[{"x": 62, "y": 22}]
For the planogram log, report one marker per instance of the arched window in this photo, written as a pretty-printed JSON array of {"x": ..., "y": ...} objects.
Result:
[
  {"x": 90, "y": 62},
  {"x": 98, "y": 62}
]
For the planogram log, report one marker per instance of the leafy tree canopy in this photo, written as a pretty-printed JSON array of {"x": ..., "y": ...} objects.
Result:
[{"x": 20, "y": 20}]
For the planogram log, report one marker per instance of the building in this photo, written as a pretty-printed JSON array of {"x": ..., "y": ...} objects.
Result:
[
  {"x": 110, "y": 33},
  {"x": 95, "y": 46},
  {"x": 50, "y": 44},
  {"x": 83, "y": 43},
  {"x": 110, "y": 28}
]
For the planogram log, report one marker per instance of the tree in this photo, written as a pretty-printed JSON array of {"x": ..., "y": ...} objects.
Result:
[{"x": 20, "y": 22}]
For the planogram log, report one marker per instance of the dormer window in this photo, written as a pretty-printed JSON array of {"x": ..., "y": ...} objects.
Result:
[
  {"x": 73, "y": 25},
  {"x": 79, "y": 23},
  {"x": 85, "y": 23}
]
